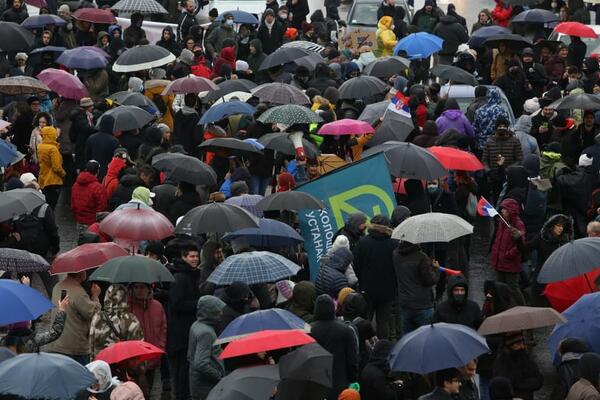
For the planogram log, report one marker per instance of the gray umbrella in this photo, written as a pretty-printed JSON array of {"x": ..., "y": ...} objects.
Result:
[
  {"x": 231, "y": 145},
  {"x": 374, "y": 111},
  {"x": 132, "y": 99},
  {"x": 141, "y": 6},
  {"x": 431, "y": 228},
  {"x": 283, "y": 55},
  {"x": 254, "y": 383},
  {"x": 19, "y": 201},
  {"x": 143, "y": 57},
  {"x": 290, "y": 201},
  {"x": 570, "y": 260},
  {"x": 310, "y": 61},
  {"x": 182, "y": 168},
  {"x": 385, "y": 67},
  {"x": 216, "y": 217},
  {"x": 282, "y": 143},
  {"x": 454, "y": 74},
  {"x": 394, "y": 127},
  {"x": 127, "y": 118},
  {"x": 226, "y": 87},
  {"x": 521, "y": 318},
  {"x": 362, "y": 87},
  {"x": 280, "y": 93},
  {"x": 583, "y": 101},
  {"x": 14, "y": 260},
  {"x": 20, "y": 85},
  {"x": 407, "y": 160}
]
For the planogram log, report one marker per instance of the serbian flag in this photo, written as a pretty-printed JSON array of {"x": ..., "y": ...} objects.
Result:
[
  {"x": 485, "y": 209},
  {"x": 399, "y": 105}
]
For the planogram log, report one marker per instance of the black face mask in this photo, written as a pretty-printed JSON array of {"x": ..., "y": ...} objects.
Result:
[{"x": 459, "y": 299}]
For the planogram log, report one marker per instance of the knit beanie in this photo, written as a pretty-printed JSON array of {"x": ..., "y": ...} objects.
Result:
[
  {"x": 585, "y": 161},
  {"x": 340, "y": 241},
  {"x": 531, "y": 105},
  {"x": 186, "y": 57}
]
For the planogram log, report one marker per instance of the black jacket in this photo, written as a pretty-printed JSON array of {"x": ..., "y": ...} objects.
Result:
[
  {"x": 453, "y": 33},
  {"x": 568, "y": 374},
  {"x": 79, "y": 133},
  {"x": 184, "y": 25},
  {"x": 522, "y": 372},
  {"x": 183, "y": 296},
  {"x": 170, "y": 44},
  {"x": 101, "y": 146},
  {"x": 186, "y": 131},
  {"x": 375, "y": 383},
  {"x": 273, "y": 40},
  {"x": 124, "y": 190},
  {"x": 415, "y": 276},
  {"x": 516, "y": 88},
  {"x": 182, "y": 204},
  {"x": 458, "y": 311}
]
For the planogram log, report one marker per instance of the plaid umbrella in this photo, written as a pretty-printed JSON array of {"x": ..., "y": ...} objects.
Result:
[
  {"x": 140, "y": 6},
  {"x": 14, "y": 260},
  {"x": 20, "y": 85},
  {"x": 432, "y": 227},
  {"x": 248, "y": 202},
  {"x": 253, "y": 267},
  {"x": 280, "y": 93}
]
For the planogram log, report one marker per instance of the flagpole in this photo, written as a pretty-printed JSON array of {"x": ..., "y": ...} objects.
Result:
[{"x": 503, "y": 220}]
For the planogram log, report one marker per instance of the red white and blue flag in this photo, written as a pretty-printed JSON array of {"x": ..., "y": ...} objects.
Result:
[
  {"x": 485, "y": 209},
  {"x": 399, "y": 105}
]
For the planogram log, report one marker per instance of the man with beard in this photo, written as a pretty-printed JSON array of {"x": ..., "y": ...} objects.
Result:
[
  {"x": 458, "y": 309},
  {"x": 534, "y": 72},
  {"x": 354, "y": 229},
  {"x": 515, "y": 86}
]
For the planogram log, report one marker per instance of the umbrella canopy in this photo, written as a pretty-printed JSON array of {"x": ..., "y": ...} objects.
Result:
[
  {"x": 520, "y": 318},
  {"x": 362, "y": 87},
  {"x": 282, "y": 143},
  {"x": 65, "y": 84},
  {"x": 289, "y": 114},
  {"x": 15, "y": 37},
  {"x": 253, "y": 267},
  {"x": 22, "y": 85},
  {"x": 241, "y": 96},
  {"x": 272, "y": 319},
  {"x": 14, "y": 260},
  {"x": 576, "y": 29},
  {"x": 189, "y": 84},
  {"x": 127, "y": 118},
  {"x": 528, "y": 3},
  {"x": 139, "y": 6},
  {"x": 456, "y": 159},
  {"x": 290, "y": 201},
  {"x": 407, "y": 160},
  {"x": 266, "y": 341},
  {"x": 570, "y": 260},
  {"x": 134, "y": 99},
  {"x": 224, "y": 110},
  {"x": 346, "y": 127},
  {"x": 226, "y": 87},
  {"x": 253, "y": 383},
  {"x": 140, "y": 58},
  {"x": 393, "y": 127},
  {"x": 183, "y": 168},
  {"x": 82, "y": 59},
  {"x": 20, "y": 302},
  {"x": 18, "y": 202},
  {"x": 385, "y": 67},
  {"x": 8, "y": 151},
  {"x": 130, "y": 269},
  {"x": 482, "y": 34},
  {"x": 419, "y": 45},
  {"x": 432, "y": 227},
  {"x": 229, "y": 144},
  {"x": 374, "y": 111},
  {"x": 86, "y": 256},
  {"x": 310, "y": 61},
  {"x": 137, "y": 224},
  {"x": 454, "y": 74},
  {"x": 216, "y": 217},
  {"x": 95, "y": 49},
  {"x": 435, "y": 347},
  {"x": 309, "y": 363},
  {"x": 535, "y": 16},
  {"x": 511, "y": 40},
  {"x": 44, "y": 376},
  {"x": 40, "y": 21},
  {"x": 283, "y": 55},
  {"x": 270, "y": 233},
  {"x": 239, "y": 17},
  {"x": 280, "y": 93},
  {"x": 303, "y": 44},
  {"x": 584, "y": 101},
  {"x": 329, "y": 162},
  {"x": 248, "y": 202},
  {"x": 564, "y": 294},
  {"x": 125, "y": 350},
  {"x": 95, "y": 15}
]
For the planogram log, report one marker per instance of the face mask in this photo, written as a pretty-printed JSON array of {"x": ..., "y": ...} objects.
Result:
[
  {"x": 230, "y": 22},
  {"x": 433, "y": 188},
  {"x": 283, "y": 16}
]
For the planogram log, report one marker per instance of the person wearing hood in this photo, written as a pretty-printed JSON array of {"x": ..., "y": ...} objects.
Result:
[
  {"x": 577, "y": 50},
  {"x": 103, "y": 40},
  {"x": 386, "y": 38},
  {"x": 270, "y": 33},
  {"x": 322, "y": 79},
  {"x": 453, "y": 33},
  {"x": 128, "y": 182},
  {"x": 141, "y": 197},
  {"x": 451, "y": 11},
  {"x": 331, "y": 277},
  {"x": 216, "y": 39},
  {"x": 105, "y": 382},
  {"x": 556, "y": 65},
  {"x": 374, "y": 380},
  {"x": 484, "y": 18},
  {"x": 134, "y": 34},
  {"x": 237, "y": 298},
  {"x": 515, "y": 86},
  {"x": 428, "y": 135},
  {"x": 167, "y": 41},
  {"x": 591, "y": 72},
  {"x": 183, "y": 66},
  {"x": 484, "y": 123},
  {"x": 453, "y": 117},
  {"x": 255, "y": 59},
  {"x": 458, "y": 309},
  {"x": 51, "y": 172},
  {"x": 534, "y": 72},
  {"x": 426, "y": 18},
  {"x": 226, "y": 58},
  {"x": 88, "y": 196},
  {"x": 302, "y": 302},
  {"x": 586, "y": 388},
  {"x": 570, "y": 351},
  {"x": 354, "y": 229},
  {"x": 206, "y": 369},
  {"x": 101, "y": 145},
  {"x": 186, "y": 130},
  {"x": 529, "y": 144},
  {"x": 339, "y": 339}
]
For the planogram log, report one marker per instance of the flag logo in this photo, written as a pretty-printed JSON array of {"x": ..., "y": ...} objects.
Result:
[{"x": 485, "y": 209}]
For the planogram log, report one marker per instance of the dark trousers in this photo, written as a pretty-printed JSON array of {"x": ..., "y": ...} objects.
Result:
[
  {"x": 383, "y": 313},
  {"x": 180, "y": 373},
  {"x": 81, "y": 359},
  {"x": 52, "y": 192}
]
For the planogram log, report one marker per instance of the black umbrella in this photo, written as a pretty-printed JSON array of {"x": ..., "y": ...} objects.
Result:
[
  {"x": 385, "y": 67},
  {"x": 535, "y": 16},
  {"x": 282, "y": 143},
  {"x": 15, "y": 37},
  {"x": 226, "y": 87},
  {"x": 18, "y": 202},
  {"x": 309, "y": 363},
  {"x": 289, "y": 201},
  {"x": 231, "y": 145},
  {"x": 583, "y": 101},
  {"x": 254, "y": 383},
  {"x": 215, "y": 217},
  {"x": 407, "y": 160},
  {"x": 362, "y": 87},
  {"x": 133, "y": 99},
  {"x": 571, "y": 260},
  {"x": 374, "y": 111},
  {"x": 280, "y": 93},
  {"x": 127, "y": 118},
  {"x": 394, "y": 127},
  {"x": 511, "y": 40},
  {"x": 454, "y": 74},
  {"x": 141, "y": 58},
  {"x": 182, "y": 168},
  {"x": 310, "y": 61},
  {"x": 284, "y": 55},
  {"x": 521, "y": 3}
]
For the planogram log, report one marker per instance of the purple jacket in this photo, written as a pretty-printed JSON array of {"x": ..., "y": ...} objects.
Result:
[{"x": 454, "y": 119}]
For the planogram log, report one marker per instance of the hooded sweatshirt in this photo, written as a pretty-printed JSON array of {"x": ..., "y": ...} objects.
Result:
[
  {"x": 386, "y": 39},
  {"x": 374, "y": 383},
  {"x": 484, "y": 124},
  {"x": 506, "y": 256},
  {"x": 153, "y": 320},
  {"x": 529, "y": 144},
  {"x": 458, "y": 309},
  {"x": 88, "y": 197},
  {"x": 50, "y": 159},
  {"x": 331, "y": 277},
  {"x": 303, "y": 300}
]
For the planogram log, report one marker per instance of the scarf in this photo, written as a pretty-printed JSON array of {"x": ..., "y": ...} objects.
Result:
[{"x": 269, "y": 26}]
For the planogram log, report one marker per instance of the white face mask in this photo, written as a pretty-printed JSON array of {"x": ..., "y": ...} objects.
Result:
[
  {"x": 283, "y": 16},
  {"x": 553, "y": 5},
  {"x": 230, "y": 22}
]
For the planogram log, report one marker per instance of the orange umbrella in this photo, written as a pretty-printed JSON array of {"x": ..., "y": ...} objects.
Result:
[{"x": 329, "y": 162}]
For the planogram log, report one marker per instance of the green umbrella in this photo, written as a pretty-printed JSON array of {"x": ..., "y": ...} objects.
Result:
[
  {"x": 128, "y": 269},
  {"x": 290, "y": 114}
]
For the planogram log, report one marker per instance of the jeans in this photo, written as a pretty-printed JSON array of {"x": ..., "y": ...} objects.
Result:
[
  {"x": 259, "y": 184},
  {"x": 413, "y": 319}
]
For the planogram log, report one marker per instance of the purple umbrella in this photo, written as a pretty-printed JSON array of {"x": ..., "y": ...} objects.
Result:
[
  {"x": 63, "y": 83},
  {"x": 82, "y": 59},
  {"x": 39, "y": 21},
  {"x": 95, "y": 49}
]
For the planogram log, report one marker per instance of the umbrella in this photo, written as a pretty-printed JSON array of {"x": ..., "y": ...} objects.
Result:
[
  {"x": 280, "y": 93},
  {"x": 520, "y": 318},
  {"x": 253, "y": 267},
  {"x": 310, "y": 61},
  {"x": 134, "y": 99},
  {"x": 480, "y": 35},
  {"x": 385, "y": 67},
  {"x": 226, "y": 87},
  {"x": 128, "y": 349},
  {"x": 248, "y": 202},
  {"x": 535, "y": 16},
  {"x": 419, "y": 45},
  {"x": 140, "y": 6},
  {"x": 435, "y": 347},
  {"x": 454, "y": 74},
  {"x": 21, "y": 85},
  {"x": 189, "y": 84},
  {"x": 224, "y": 110},
  {"x": 290, "y": 114},
  {"x": 394, "y": 127},
  {"x": 570, "y": 260},
  {"x": 270, "y": 233},
  {"x": 241, "y": 96},
  {"x": 583, "y": 101},
  {"x": 251, "y": 383},
  {"x": 576, "y": 29},
  {"x": 374, "y": 111},
  {"x": 15, "y": 37},
  {"x": 456, "y": 159},
  {"x": 63, "y": 83},
  {"x": 283, "y": 55},
  {"x": 511, "y": 40},
  {"x": 564, "y": 294},
  {"x": 260, "y": 342},
  {"x": 432, "y": 227},
  {"x": 141, "y": 58},
  {"x": 329, "y": 162},
  {"x": 86, "y": 256},
  {"x": 96, "y": 50},
  {"x": 20, "y": 303},
  {"x": 290, "y": 201},
  {"x": 303, "y": 44},
  {"x": 130, "y": 269},
  {"x": 309, "y": 363},
  {"x": 82, "y": 59},
  {"x": 261, "y": 320},
  {"x": 528, "y": 3},
  {"x": 95, "y": 16},
  {"x": 44, "y": 376},
  {"x": 346, "y": 127},
  {"x": 40, "y": 21},
  {"x": 137, "y": 224},
  {"x": 407, "y": 160},
  {"x": 18, "y": 202},
  {"x": 229, "y": 144},
  {"x": 362, "y": 87},
  {"x": 14, "y": 260},
  {"x": 282, "y": 143},
  {"x": 127, "y": 118},
  {"x": 8, "y": 152},
  {"x": 216, "y": 217},
  {"x": 239, "y": 17},
  {"x": 182, "y": 168}
]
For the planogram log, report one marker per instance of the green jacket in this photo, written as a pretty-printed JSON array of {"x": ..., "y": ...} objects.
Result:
[
  {"x": 214, "y": 41},
  {"x": 551, "y": 166}
]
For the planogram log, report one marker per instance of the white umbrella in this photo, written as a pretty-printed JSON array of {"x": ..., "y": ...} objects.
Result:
[{"x": 432, "y": 227}]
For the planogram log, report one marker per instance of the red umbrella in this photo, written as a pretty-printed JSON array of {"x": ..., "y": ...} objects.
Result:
[
  {"x": 37, "y": 3},
  {"x": 86, "y": 256},
  {"x": 346, "y": 127},
  {"x": 265, "y": 341},
  {"x": 190, "y": 84},
  {"x": 576, "y": 29},
  {"x": 564, "y": 294},
  {"x": 456, "y": 159},
  {"x": 136, "y": 224},
  {"x": 121, "y": 351},
  {"x": 95, "y": 15}
]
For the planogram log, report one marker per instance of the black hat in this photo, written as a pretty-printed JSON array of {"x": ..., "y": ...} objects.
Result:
[
  {"x": 527, "y": 51},
  {"x": 155, "y": 247},
  {"x": 213, "y": 13},
  {"x": 269, "y": 11}
]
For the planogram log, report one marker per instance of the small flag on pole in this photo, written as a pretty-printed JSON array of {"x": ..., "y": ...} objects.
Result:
[
  {"x": 399, "y": 105},
  {"x": 485, "y": 209},
  {"x": 449, "y": 271}
]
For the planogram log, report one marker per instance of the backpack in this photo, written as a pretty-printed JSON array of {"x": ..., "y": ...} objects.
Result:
[{"x": 31, "y": 228}]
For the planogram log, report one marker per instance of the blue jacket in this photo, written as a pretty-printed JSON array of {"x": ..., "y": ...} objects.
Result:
[{"x": 331, "y": 279}]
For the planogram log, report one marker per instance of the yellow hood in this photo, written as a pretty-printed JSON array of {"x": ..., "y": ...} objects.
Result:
[
  {"x": 48, "y": 134},
  {"x": 385, "y": 23}
]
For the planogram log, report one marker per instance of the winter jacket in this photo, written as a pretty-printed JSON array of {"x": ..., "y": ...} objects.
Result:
[
  {"x": 124, "y": 190},
  {"x": 171, "y": 44},
  {"x": 299, "y": 11},
  {"x": 583, "y": 390},
  {"x": 425, "y": 21},
  {"x": 529, "y": 144},
  {"x": 255, "y": 59},
  {"x": 509, "y": 148},
  {"x": 182, "y": 204},
  {"x": 226, "y": 57},
  {"x": 154, "y": 93},
  {"x": 303, "y": 301},
  {"x": 16, "y": 16},
  {"x": 506, "y": 256},
  {"x": 97, "y": 84},
  {"x": 50, "y": 159},
  {"x": 80, "y": 131},
  {"x": 454, "y": 119},
  {"x": 555, "y": 67},
  {"x": 62, "y": 116},
  {"x": 577, "y": 186},
  {"x": 415, "y": 277},
  {"x": 546, "y": 243},
  {"x": 214, "y": 41},
  {"x": 183, "y": 296},
  {"x": 521, "y": 370},
  {"x": 453, "y": 33},
  {"x": 375, "y": 383},
  {"x": 331, "y": 277},
  {"x": 186, "y": 131},
  {"x": 153, "y": 320},
  {"x": 484, "y": 123},
  {"x": 516, "y": 88},
  {"x": 101, "y": 145},
  {"x": 501, "y": 15},
  {"x": 37, "y": 339},
  {"x": 386, "y": 39},
  {"x": 458, "y": 311},
  {"x": 164, "y": 196},
  {"x": 568, "y": 375},
  {"x": 186, "y": 21},
  {"x": 271, "y": 39},
  {"x": 111, "y": 180},
  {"x": 87, "y": 198}
]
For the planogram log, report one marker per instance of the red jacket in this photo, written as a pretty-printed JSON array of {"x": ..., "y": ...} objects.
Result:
[
  {"x": 505, "y": 252},
  {"x": 111, "y": 180},
  {"x": 501, "y": 15},
  {"x": 421, "y": 115},
  {"x": 226, "y": 57},
  {"x": 151, "y": 315},
  {"x": 87, "y": 198}
]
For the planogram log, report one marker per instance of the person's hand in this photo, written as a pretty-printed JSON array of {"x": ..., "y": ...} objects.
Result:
[
  {"x": 16, "y": 236},
  {"x": 63, "y": 304},
  {"x": 436, "y": 264},
  {"x": 543, "y": 129},
  {"x": 515, "y": 233},
  {"x": 500, "y": 160},
  {"x": 95, "y": 291},
  {"x": 25, "y": 280}
]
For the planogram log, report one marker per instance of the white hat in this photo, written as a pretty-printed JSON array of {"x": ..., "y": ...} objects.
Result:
[
  {"x": 101, "y": 371},
  {"x": 585, "y": 161},
  {"x": 21, "y": 56},
  {"x": 241, "y": 65},
  {"x": 27, "y": 178},
  {"x": 531, "y": 105},
  {"x": 341, "y": 241}
]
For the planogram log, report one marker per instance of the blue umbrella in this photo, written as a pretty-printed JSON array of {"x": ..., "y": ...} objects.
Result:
[
  {"x": 20, "y": 303},
  {"x": 435, "y": 347},
  {"x": 253, "y": 267},
  {"x": 240, "y": 17},
  {"x": 272, "y": 319},
  {"x": 44, "y": 376},
  {"x": 224, "y": 110},
  {"x": 481, "y": 34},
  {"x": 40, "y": 21},
  {"x": 8, "y": 152},
  {"x": 270, "y": 233},
  {"x": 535, "y": 16},
  {"x": 419, "y": 45},
  {"x": 82, "y": 59}
]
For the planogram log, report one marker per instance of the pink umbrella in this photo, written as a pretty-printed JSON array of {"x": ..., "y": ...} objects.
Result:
[
  {"x": 190, "y": 84},
  {"x": 37, "y": 3},
  {"x": 346, "y": 127},
  {"x": 63, "y": 83},
  {"x": 134, "y": 224}
]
